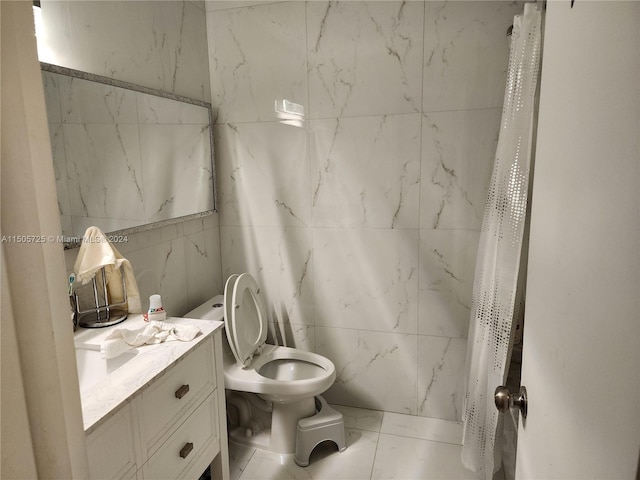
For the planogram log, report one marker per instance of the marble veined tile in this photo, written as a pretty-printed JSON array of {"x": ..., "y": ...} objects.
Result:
[
  {"x": 239, "y": 457},
  {"x": 360, "y": 418},
  {"x": 281, "y": 261},
  {"x": 161, "y": 269},
  {"x": 447, "y": 265},
  {"x": 79, "y": 225},
  {"x": 257, "y": 56},
  {"x": 226, "y": 4},
  {"x": 160, "y": 110},
  {"x": 262, "y": 174},
  {"x": 374, "y": 370},
  {"x": 156, "y": 44},
  {"x": 366, "y": 171},
  {"x": 412, "y": 458},
  {"x": 425, "y": 428},
  {"x": 202, "y": 261},
  {"x": 154, "y": 236},
  {"x": 104, "y": 171},
  {"x": 178, "y": 175},
  {"x": 302, "y": 337},
  {"x": 367, "y": 279},
  {"x": 198, "y": 3},
  {"x": 466, "y": 52},
  {"x": 441, "y": 377},
  {"x": 82, "y": 101},
  {"x": 66, "y": 226},
  {"x": 52, "y": 97},
  {"x": 56, "y": 136},
  {"x": 458, "y": 151},
  {"x": 201, "y": 223},
  {"x": 365, "y": 58},
  {"x": 326, "y": 462}
]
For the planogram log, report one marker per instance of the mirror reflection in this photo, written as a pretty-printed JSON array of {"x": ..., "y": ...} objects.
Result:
[{"x": 124, "y": 155}]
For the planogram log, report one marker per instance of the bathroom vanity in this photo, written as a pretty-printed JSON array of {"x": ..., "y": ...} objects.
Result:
[{"x": 157, "y": 411}]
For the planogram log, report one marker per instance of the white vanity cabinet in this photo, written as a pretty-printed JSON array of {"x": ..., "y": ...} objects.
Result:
[
  {"x": 172, "y": 428},
  {"x": 112, "y": 447}
]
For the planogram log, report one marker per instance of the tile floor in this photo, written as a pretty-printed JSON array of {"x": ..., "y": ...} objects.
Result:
[{"x": 380, "y": 445}]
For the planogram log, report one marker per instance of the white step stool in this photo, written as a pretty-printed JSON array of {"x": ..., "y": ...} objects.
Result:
[{"x": 326, "y": 424}]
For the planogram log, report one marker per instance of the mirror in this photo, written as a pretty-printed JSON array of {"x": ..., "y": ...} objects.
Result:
[{"x": 126, "y": 157}]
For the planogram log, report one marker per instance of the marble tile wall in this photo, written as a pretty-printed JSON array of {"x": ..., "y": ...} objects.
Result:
[
  {"x": 125, "y": 158},
  {"x": 362, "y": 227},
  {"x": 181, "y": 262},
  {"x": 161, "y": 45},
  {"x": 158, "y": 44}
]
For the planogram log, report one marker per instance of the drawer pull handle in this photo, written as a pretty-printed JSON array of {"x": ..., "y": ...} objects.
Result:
[
  {"x": 186, "y": 450},
  {"x": 182, "y": 391}
]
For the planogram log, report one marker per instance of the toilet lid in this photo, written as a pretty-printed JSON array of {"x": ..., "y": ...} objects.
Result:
[
  {"x": 228, "y": 309},
  {"x": 248, "y": 318}
]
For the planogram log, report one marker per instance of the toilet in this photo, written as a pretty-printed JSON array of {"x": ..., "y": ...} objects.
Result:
[{"x": 270, "y": 388}]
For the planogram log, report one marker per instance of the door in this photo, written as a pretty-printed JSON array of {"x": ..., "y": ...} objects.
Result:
[{"x": 581, "y": 357}]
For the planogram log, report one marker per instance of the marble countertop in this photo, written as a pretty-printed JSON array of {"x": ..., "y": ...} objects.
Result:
[{"x": 101, "y": 400}]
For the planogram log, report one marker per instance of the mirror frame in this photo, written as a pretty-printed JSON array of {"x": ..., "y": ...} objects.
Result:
[{"x": 74, "y": 242}]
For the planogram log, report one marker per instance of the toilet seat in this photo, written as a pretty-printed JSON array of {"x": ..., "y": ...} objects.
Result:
[
  {"x": 279, "y": 374},
  {"x": 277, "y": 390},
  {"x": 228, "y": 309},
  {"x": 247, "y": 326}
]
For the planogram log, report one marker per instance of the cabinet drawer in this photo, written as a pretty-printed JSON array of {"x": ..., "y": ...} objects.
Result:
[
  {"x": 111, "y": 448},
  {"x": 198, "y": 435},
  {"x": 182, "y": 387}
]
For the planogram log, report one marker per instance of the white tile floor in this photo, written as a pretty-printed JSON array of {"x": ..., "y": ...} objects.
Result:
[{"x": 380, "y": 445}]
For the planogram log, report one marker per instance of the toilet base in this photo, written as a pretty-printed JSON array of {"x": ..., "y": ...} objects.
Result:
[
  {"x": 280, "y": 436},
  {"x": 284, "y": 423},
  {"x": 259, "y": 440}
]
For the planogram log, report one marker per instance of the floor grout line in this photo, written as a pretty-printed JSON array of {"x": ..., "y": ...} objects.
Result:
[
  {"x": 375, "y": 452},
  {"x": 378, "y": 455}
]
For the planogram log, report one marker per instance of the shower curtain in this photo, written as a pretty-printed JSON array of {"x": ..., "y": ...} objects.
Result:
[{"x": 499, "y": 250}]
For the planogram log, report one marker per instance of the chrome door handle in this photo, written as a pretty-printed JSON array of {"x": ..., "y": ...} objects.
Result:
[{"x": 505, "y": 400}]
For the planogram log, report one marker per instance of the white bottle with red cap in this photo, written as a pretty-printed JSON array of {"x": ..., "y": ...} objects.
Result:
[{"x": 156, "y": 311}]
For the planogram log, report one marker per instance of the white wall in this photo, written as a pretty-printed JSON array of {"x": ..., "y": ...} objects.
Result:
[
  {"x": 42, "y": 434},
  {"x": 160, "y": 45},
  {"x": 362, "y": 227}
]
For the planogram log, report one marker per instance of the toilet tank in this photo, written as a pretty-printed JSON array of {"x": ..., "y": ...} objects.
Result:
[{"x": 212, "y": 309}]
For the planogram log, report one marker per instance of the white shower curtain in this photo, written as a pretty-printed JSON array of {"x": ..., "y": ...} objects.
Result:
[{"x": 499, "y": 250}]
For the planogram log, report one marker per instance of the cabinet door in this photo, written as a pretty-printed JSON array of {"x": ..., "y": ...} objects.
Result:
[
  {"x": 190, "y": 448},
  {"x": 175, "y": 394},
  {"x": 111, "y": 448}
]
